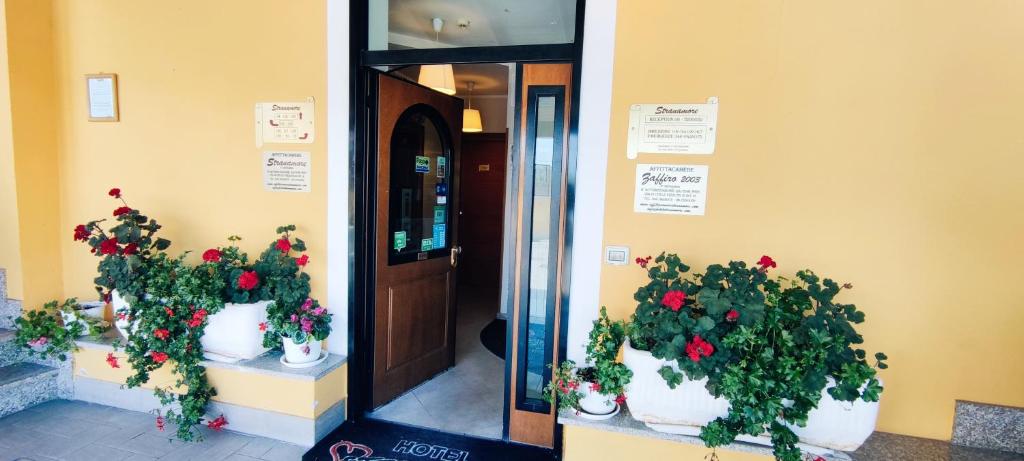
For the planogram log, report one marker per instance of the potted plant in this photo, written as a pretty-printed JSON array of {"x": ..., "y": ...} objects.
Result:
[
  {"x": 234, "y": 332},
  {"x": 124, "y": 251},
  {"x": 89, "y": 315},
  {"x": 41, "y": 332},
  {"x": 598, "y": 388},
  {"x": 741, "y": 357},
  {"x": 295, "y": 321}
]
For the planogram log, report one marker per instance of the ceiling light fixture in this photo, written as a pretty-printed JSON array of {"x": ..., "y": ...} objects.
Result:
[
  {"x": 439, "y": 77},
  {"x": 471, "y": 122}
]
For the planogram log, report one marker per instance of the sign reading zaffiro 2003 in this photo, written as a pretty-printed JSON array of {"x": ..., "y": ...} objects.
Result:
[
  {"x": 672, "y": 128},
  {"x": 671, "y": 189}
]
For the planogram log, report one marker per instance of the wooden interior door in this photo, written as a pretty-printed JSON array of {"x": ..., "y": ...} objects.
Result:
[
  {"x": 542, "y": 156},
  {"x": 418, "y": 136}
]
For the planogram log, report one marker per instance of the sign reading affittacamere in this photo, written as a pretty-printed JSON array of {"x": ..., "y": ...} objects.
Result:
[
  {"x": 671, "y": 189},
  {"x": 286, "y": 171}
]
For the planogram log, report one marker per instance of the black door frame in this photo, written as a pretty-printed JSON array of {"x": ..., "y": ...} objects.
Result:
[{"x": 363, "y": 173}]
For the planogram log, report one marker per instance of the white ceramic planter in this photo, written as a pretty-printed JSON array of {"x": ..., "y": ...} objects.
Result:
[
  {"x": 233, "y": 333},
  {"x": 833, "y": 425},
  {"x": 89, "y": 310},
  {"x": 595, "y": 402},
  {"x": 650, "y": 400},
  {"x": 120, "y": 305},
  {"x": 295, "y": 353},
  {"x": 838, "y": 425}
]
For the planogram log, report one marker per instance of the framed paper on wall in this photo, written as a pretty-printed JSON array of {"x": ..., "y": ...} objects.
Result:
[{"x": 101, "y": 94}]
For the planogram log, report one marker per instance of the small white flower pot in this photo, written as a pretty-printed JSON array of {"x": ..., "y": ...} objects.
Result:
[
  {"x": 233, "y": 333},
  {"x": 595, "y": 402},
  {"x": 296, "y": 353}
]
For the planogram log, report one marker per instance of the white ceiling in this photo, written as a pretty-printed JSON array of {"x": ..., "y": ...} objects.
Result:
[{"x": 491, "y": 22}]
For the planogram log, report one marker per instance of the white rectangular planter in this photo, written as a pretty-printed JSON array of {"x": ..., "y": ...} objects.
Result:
[
  {"x": 833, "y": 425},
  {"x": 234, "y": 334}
]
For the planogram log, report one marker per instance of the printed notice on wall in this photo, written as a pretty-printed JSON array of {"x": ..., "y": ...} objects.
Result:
[
  {"x": 284, "y": 123},
  {"x": 671, "y": 189},
  {"x": 672, "y": 128},
  {"x": 286, "y": 171}
]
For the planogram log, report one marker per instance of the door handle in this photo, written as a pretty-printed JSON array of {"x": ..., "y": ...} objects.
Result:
[{"x": 456, "y": 251}]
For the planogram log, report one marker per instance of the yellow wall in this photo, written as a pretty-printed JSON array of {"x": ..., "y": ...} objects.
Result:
[
  {"x": 879, "y": 143},
  {"x": 35, "y": 130},
  {"x": 184, "y": 151},
  {"x": 10, "y": 251},
  {"x": 306, "y": 399},
  {"x": 585, "y": 444}
]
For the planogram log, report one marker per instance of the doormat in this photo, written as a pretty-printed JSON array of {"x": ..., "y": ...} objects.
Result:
[
  {"x": 493, "y": 337},
  {"x": 372, "y": 440}
]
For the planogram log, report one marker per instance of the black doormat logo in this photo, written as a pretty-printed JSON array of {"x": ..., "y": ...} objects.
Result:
[{"x": 359, "y": 452}]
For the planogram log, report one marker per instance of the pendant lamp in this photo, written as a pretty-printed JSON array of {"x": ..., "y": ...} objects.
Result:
[
  {"x": 471, "y": 122},
  {"x": 438, "y": 77}
]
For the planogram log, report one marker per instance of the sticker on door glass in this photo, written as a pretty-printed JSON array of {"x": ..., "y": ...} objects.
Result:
[
  {"x": 442, "y": 167},
  {"x": 400, "y": 241},
  {"x": 439, "y": 212},
  {"x": 439, "y": 236},
  {"x": 426, "y": 244},
  {"x": 442, "y": 200},
  {"x": 440, "y": 189},
  {"x": 422, "y": 164}
]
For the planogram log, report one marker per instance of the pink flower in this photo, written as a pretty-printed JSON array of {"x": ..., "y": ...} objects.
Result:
[
  {"x": 112, "y": 361},
  {"x": 263, "y": 326},
  {"x": 305, "y": 349},
  {"x": 307, "y": 304},
  {"x": 307, "y": 325},
  {"x": 295, "y": 318},
  {"x": 595, "y": 387},
  {"x": 39, "y": 342},
  {"x": 319, "y": 311},
  {"x": 160, "y": 423}
]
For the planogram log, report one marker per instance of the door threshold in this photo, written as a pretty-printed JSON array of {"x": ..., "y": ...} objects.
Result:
[{"x": 367, "y": 438}]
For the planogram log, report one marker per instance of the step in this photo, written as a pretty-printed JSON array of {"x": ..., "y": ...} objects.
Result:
[
  {"x": 993, "y": 427},
  {"x": 23, "y": 385},
  {"x": 10, "y": 309}
]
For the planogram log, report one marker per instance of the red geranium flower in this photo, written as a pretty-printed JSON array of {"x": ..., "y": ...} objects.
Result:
[
  {"x": 109, "y": 246},
  {"x": 218, "y": 423},
  {"x": 161, "y": 333},
  {"x": 169, "y": 311},
  {"x": 595, "y": 387},
  {"x": 698, "y": 348},
  {"x": 302, "y": 260},
  {"x": 160, "y": 423},
  {"x": 115, "y": 192},
  {"x": 284, "y": 245},
  {"x": 263, "y": 326},
  {"x": 130, "y": 249},
  {"x": 248, "y": 280},
  {"x": 122, "y": 210},
  {"x": 765, "y": 262},
  {"x": 212, "y": 255},
  {"x": 732, "y": 315},
  {"x": 643, "y": 261},
  {"x": 674, "y": 299},
  {"x": 158, "y": 357},
  {"x": 112, "y": 361},
  {"x": 620, "y": 399},
  {"x": 197, "y": 318},
  {"x": 81, "y": 233}
]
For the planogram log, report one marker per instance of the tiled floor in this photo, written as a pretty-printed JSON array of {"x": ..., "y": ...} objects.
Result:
[
  {"x": 468, "y": 398},
  {"x": 78, "y": 431}
]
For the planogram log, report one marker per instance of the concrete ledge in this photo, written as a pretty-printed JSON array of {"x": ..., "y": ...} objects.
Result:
[{"x": 252, "y": 421}]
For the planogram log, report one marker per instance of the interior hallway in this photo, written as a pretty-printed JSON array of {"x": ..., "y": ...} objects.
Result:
[{"x": 468, "y": 398}]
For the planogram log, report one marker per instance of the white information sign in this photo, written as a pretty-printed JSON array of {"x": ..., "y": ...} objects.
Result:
[
  {"x": 671, "y": 189},
  {"x": 672, "y": 128},
  {"x": 286, "y": 171},
  {"x": 284, "y": 123}
]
